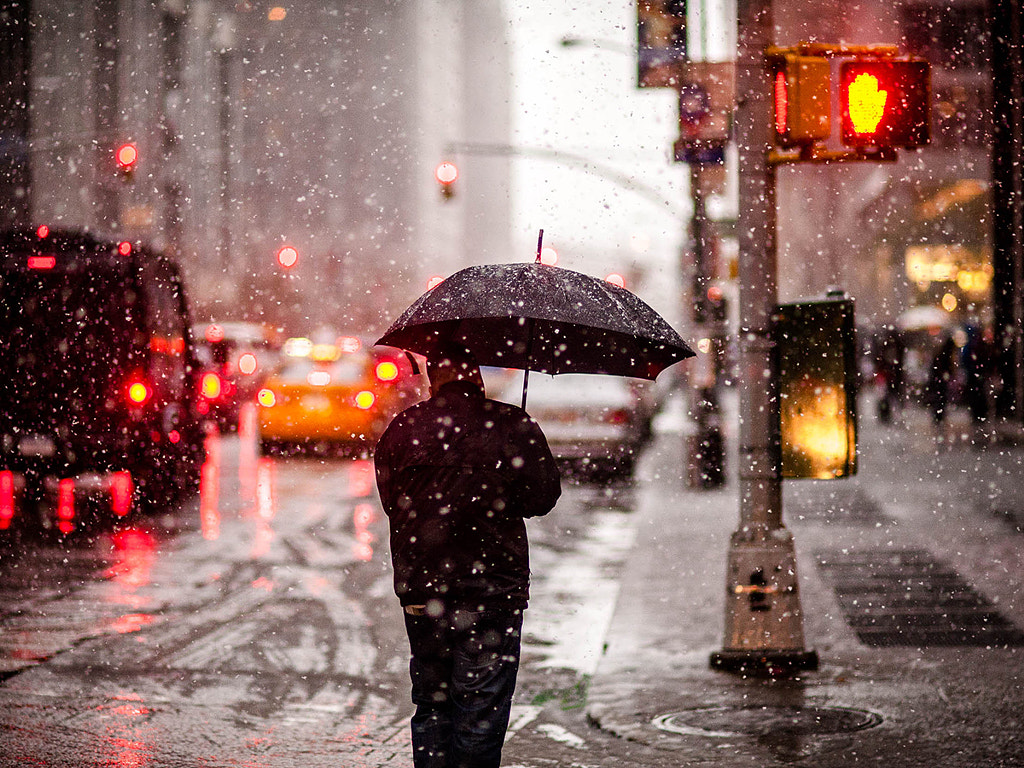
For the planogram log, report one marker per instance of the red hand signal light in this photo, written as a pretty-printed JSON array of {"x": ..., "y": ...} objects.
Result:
[
  {"x": 885, "y": 102},
  {"x": 866, "y": 102}
]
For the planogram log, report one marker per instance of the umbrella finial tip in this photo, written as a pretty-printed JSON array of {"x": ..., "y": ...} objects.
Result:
[{"x": 540, "y": 244}]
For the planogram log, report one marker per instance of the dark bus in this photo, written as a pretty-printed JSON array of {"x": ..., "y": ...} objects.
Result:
[{"x": 97, "y": 380}]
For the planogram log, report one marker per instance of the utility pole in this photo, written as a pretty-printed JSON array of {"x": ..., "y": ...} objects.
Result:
[
  {"x": 763, "y": 622},
  {"x": 1006, "y": 33},
  {"x": 706, "y": 465}
]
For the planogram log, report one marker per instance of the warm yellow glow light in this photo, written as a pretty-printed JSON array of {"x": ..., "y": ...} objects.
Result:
[{"x": 815, "y": 420}]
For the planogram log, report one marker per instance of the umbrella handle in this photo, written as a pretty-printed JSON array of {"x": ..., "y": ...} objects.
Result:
[{"x": 529, "y": 353}]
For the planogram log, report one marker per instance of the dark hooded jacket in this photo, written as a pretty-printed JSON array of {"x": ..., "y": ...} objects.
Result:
[{"x": 457, "y": 474}]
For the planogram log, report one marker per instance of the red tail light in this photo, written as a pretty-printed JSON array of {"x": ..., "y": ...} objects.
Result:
[
  {"x": 386, "y": 370},
  {"x": 66, "y": 505},
  {"x": 121, "y": 490},
  {"x": 42, "y": 262},
  {"x": 617, "y": 416},
  {"x": 211, "y": 386},
  {"x": 6, "y": 499},
  {"x": 138, "y": 391},
  {"x": 247, "y": 363}
]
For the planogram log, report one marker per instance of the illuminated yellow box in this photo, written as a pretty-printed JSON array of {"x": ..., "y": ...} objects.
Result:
[{"x": 815, "y": 362}]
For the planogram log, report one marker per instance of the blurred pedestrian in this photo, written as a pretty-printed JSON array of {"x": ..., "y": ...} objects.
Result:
[
  {"x": 940, "y": 377},
  {"x": 457, "y": 475},
  {"x": 889, "y": 369},
  {"x": 977, "y": 365}
]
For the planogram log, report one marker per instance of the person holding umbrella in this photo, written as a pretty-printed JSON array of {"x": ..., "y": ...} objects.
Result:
[{"x": 457, "y": 475}]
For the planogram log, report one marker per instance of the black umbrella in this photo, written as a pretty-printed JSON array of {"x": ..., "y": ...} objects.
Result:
[{"x": 541, "y": 318}]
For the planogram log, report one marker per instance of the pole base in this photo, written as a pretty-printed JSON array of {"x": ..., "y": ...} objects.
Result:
[
  {"x": 706, "y": 465},
  {"x": 766, "y": 663}
]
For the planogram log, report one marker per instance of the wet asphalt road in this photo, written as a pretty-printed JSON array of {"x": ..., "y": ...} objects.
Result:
[{"x": 256, "y": 626}]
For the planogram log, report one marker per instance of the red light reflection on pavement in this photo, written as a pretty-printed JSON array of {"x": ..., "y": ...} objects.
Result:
[
  {"x": 360, "y": 478},
  {"x": 209, "y": 489},
  {"x": 135, "y": 553},
  {"x": 363, "y": 517},
  {"x": 127, "y": 722},
  {"x": 247, "y": 454},
  {"x": 266, "y": 506},
  {"x": 266, "y": 488},
  {"x": 131, "y": 622}
]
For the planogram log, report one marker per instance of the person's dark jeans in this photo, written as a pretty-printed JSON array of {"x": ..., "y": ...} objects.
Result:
[{"x": 463, "y": 669}]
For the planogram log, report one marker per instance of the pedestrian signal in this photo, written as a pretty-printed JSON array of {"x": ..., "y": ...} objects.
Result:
[
  {"x": 885, "y": 103},
  {"x": 801, "y": 96}
]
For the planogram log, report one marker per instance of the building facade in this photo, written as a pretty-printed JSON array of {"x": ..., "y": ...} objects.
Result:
[{"x": 261, "y": 124}]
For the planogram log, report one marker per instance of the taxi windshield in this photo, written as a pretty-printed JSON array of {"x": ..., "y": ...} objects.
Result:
[{"x": 349, "y": 369}]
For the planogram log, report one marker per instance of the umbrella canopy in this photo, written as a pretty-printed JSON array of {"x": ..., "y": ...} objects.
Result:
[{"x": 542, "y": 318}]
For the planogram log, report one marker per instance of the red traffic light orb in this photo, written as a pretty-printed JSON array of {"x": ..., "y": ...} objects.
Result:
[
  {"x": 287, "y": 256},
  {"x": 446, "y": 173},
  {"x": 549, "y": 256},
  {"x": 885, "y": 103},
  {"x": 214, "y": 333},
  {"x": 126, "y": 155}
]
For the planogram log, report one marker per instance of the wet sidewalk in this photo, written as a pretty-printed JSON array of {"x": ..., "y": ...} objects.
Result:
[{"x": 912, "y": 588}]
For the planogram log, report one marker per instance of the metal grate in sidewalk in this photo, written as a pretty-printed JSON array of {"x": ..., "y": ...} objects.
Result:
[{"x": 907, "y": 598}]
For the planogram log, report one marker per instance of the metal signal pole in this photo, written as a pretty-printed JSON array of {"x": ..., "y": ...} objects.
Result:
[{"x": 763, "y": 622}]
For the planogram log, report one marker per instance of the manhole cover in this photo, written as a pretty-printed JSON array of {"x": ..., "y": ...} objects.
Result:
[{"x": 725, "y": 722}]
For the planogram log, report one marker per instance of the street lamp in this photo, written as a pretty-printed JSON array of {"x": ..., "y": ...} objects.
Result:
[{"x": 570, "y": 41}]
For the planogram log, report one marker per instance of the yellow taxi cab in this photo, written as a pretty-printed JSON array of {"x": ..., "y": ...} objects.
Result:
[{"x": 342, "y": 394}]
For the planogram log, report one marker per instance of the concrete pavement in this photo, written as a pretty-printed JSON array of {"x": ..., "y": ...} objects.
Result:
[{"x": 912, "y": 588}]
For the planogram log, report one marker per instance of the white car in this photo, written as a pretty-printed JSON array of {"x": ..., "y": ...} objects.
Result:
[{"x": 596, "y": 425}]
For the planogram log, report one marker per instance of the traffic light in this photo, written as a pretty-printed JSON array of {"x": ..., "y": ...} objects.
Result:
[
  {"x": 287, "y": 256},
  {"x": 127, "y": 157},
  {"x": 884, "y": 103},
  {"x": 801, "y": 96},
  {"x": 446, "y": 173}
]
